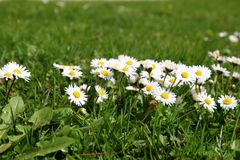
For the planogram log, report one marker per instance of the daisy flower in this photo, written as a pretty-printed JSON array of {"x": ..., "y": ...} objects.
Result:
[
  {"x": 169, "y": 65},
  {"x": 133, "y": 78},
  {"x": 215, "y": 54},
  {"x": 149, "y": 63},
  {"x": 157, "y": 73},
  {"x": 103, "y": 72},
  {"x": 113, "y": 63},
  {"x": 84, "y": 87},
  {"x": 234, "y": 60},
  {"x": 71, "y": 73},
  {"x": 61, "y": 66},
  {"x": 15, "y": 70},
  {"x": 149, "y": 87},
  {"x": 128, "y": 71},
  {"x": 227, "y": 102},
  {"x": 128, "y": 61},
  {"x": 220, "y": 70},
  {"x": 1, "y": 74},
  {"x": 101, "y": 62},
  {"x": 202, "y": 73},
  {"x": 76, "y": 95},
  {"x": 132, "y": 88},
  {"x": 6, "y": 75},
  {"x": 207, "y": 102},
  {"x": 102, "y": 94},
  {"x": 164, "y": 96},
  {"x": 185, "y": 74},
  {"x": 236, "y": 75},
  {"x": 196, "y": 91},
  {"x": 222, "y": 34},
  {"x": 170, "y": 81},
  {"x": 233, "y": 39}
]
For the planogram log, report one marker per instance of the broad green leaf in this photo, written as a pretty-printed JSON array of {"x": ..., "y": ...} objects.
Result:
[
  {"x": 46, "y": 147},
  {"x": 17, "y": 105},
  {"x": 236, "y": 145},
  {"x": 4, "y": 147},
  {"x": 13, "y": 138},
  {"x": 14, "y": 107},
  {"x": 3, "y": 129},
  {"x": 42, "y": 117}
]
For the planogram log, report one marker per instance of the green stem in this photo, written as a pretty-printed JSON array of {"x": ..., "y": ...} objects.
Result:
[{"x": 10, "y": 88}]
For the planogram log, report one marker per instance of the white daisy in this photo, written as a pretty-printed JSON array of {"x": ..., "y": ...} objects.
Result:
[
  {"x": 196, "y": 91},
  {"x": 149, "y": 87},
  {"x": 128, "y": 71},
  {"x": 157, "y": 73},
  {"x": 85, "y": 87},
  {"x": 102, "y": 72},
  {"x": 71, "y": 73},
  {"x": 215, "y": 54},
  {"x": 207, "y": 101},
  {"x": 227, "y": 102},
  {"x": 128, "y": 61},
  {"x": 233, "y": 60},
  {"x": 170, "y": 81},
  {"x": 149, "y": 63},
  {"x": 133, "y": 78},
  {"x": 168, "y": 65},
  {"x": 233, "y": 39},
  {"x": 6, "y": 75},
  {"x": 15, "y": 70},
  {"x": 61, "y": 66},
  {"x": 202, "y": 73},
  {"x": 220, "y": 70},
  {"x": 113, "y": 63},
  {"x": 1, "y": 74},
  {"x": 185, "y": 74},
  {"x": 164, "y": 96},
  {"x": 132, "y": 88},
  {"x": 102, "y": 94},
  {"x": 222, "y": 34},
  {"x": 236, "y": 75},
  {"x": 101, "y": 62},
  {"x": 76, "y": 95}
]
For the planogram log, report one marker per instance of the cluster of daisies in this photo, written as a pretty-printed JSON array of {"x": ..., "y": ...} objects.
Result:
[
  {"x": 14, "y": 71},
  {"x": 233, "y": 38},
  {"x": 158, "y": 80}
]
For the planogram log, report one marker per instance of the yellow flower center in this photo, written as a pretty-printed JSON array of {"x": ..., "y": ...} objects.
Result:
[
  {"x": 227, "y": 101},
  {"x": 72, "y": 67},
  {"x": 149, "y": 88},
  {"x": 172, "y": 80},
  {"x": 129, "y": 62},
  {"x": 184, "y": 75},
  {"x": 151, "y": 73},
  {"x": 125, "y": 69},
  {"x": 17, "y": 71},
  {"x": 72, "y": 73},
  {"x": 165, "y": 95},
  {"x": 7, "y": 75},
  {"x": 153, "y": 66},
  {"x": 207, "y": 100},
  {"x": 77, "y": 94},
  {"x": 197, "y": 90},
  {"x": 100, "y": 63},
  {"x": 199, "y": 73},
  {"x": 104, "y": 72},
  {"x": 101, "y": 92}
]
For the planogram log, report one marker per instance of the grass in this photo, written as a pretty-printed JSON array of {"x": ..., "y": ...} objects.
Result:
[{"x": 37, "y": 35}]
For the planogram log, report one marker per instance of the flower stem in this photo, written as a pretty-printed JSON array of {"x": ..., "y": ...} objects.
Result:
[{"x": 10, "y": 88}]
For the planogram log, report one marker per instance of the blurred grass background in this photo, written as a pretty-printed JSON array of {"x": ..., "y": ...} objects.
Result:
[{"x": 32, "y": 32}]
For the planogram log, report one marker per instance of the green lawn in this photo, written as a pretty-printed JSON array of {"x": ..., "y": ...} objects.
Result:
[{"x": 36, "y": 35}]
